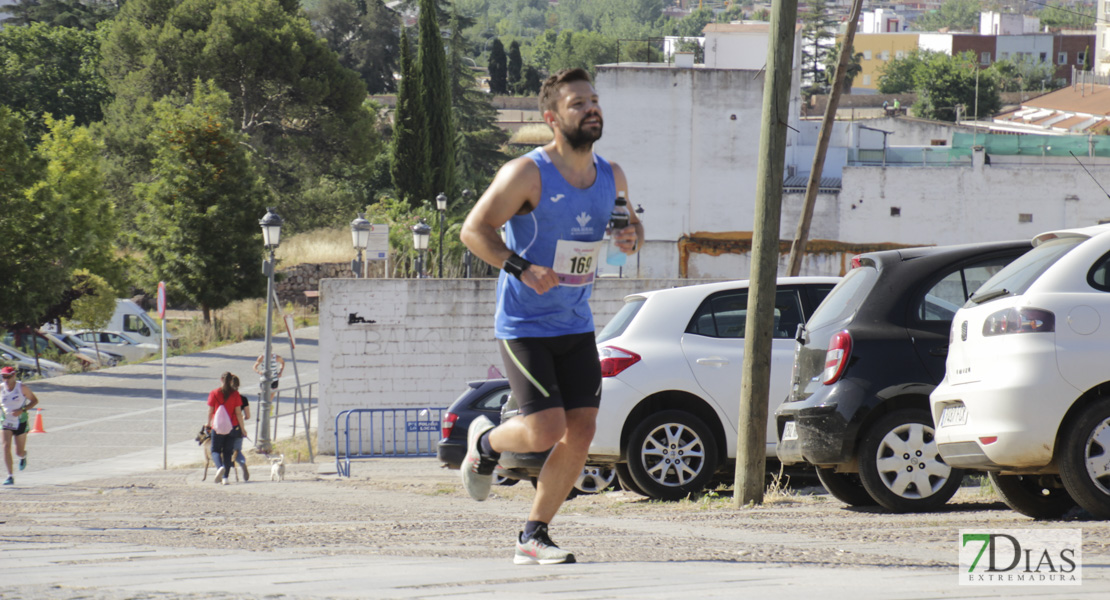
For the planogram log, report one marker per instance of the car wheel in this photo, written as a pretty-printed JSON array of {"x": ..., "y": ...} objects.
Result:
[
  {"x": 845, "y": 487},
  {"x": 624, "y": 477},
  {"x": 672, "y": 454},
  {"x": 594, "y": 479},
  {"x": 900, "y": 467},
  {"x": 1037, "y": 496},
  {"x": 1085, "y": 459}
]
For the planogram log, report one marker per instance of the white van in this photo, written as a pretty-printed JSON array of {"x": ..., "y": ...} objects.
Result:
[{"x": 133, "y": 320}]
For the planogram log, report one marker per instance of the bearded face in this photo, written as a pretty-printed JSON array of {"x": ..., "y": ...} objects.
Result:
[{"x": 582, "y": 134}]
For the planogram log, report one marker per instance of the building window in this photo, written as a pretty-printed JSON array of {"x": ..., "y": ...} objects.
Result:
[
  {"x": 899, "y": 54},
  {"x": 1080, "y": 58},
  {"x": 886, "y": 54},
  {"x": 1003, "y": 55},
  {"x": 1044, "y": 56},
  {"x": 866, "y": 55},
  {"x": 985, "y": 58},
  {"x": 895, "y": 211},
  {"x": 941, "y": 142},
  {"x": 1062, "y": 58},
  {"x": 866, "y": 80},
  {"x": 1025, "y": 217}
]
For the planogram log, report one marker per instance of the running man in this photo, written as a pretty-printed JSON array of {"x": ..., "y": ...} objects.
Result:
[
  {"x": 16, "y": 400},
  {"x": 555, "y": 203}
]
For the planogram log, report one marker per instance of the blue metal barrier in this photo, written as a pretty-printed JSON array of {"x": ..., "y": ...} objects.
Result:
[{"x": 386, "y": 432}]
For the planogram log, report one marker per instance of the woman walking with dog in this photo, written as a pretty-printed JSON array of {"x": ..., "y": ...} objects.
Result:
[{"x": 225, "y": 415}]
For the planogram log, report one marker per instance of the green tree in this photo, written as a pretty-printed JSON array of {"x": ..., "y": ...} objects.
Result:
[
  {"x": 498, "y": 69},
  {"x": 692, "y": 24},
  {"x": 97, "y": 304},
  {"x": 945, "y": 82},
  {"x": 435, "y": 84},
  {"x": 1024, "y": 75},
  {"x": 479, "y": 140},
  {"x": 959, "y": 15},
  {"x": 817, "y": 41},
  {"x": 363, "y": 34},
  {"x": 301, "y": 112},
  {"x": 1058, "y": 15},
  {"x": 580, "y": 49},
  {"x": 84, "y": 14},
  {"x": 531, "y": 82},
  {"x": 897, "y": 76},
  {"x": 409, "y": 164},
  {"x": 852, "y": 70},
  {"x": 200, "y": 232},
  {"x": 515, "y": 64},
  {"x": 46, "y": 69}
]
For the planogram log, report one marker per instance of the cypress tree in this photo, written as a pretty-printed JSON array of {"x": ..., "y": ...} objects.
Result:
[
  {"x": 408, "y": 157},
  {"x": 436, "y": 86},
  {"x": 515, "y": 65},
  {"x": 498, "y": 70}
]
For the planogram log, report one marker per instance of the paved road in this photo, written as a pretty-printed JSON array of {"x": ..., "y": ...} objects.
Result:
[{"x": 114, "y": 416}]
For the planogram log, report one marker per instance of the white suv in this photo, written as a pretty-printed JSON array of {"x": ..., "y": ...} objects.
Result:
[
  {"x": 671, "y": 366},
  {"x": 1026, "y": 393}
]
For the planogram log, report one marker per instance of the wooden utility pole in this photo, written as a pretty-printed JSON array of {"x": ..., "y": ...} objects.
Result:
[
  {"x": 751, "y": 459},
  {"x": 801, "y": 236}
]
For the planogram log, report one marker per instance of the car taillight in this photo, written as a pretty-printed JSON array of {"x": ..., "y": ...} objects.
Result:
[
  {"x": 614, "y": 360},
  {"x": 836, "y": 357},
  {"x": 1019, "y": 320},
  {"x": 855, "y": 262},
  {"x": 448, "y": 424}
]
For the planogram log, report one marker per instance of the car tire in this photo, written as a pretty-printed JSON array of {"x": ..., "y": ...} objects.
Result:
[
  {"x": 900, "y": 466},
  {"x": 499, "y": 479},
  {"x": 624, "y": 476},
  {"x": 661, "y": 444},
  {"x": 1028, "y": 495},
  {"x": 845, "y": 487},
  {"x": 595, "y": 480},
  {"x": 1085, "y": 459}
]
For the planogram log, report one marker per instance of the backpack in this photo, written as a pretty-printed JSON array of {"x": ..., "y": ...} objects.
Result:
[{"x": 221, "y": 421}]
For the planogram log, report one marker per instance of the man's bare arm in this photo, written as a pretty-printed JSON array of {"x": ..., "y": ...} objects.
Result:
[{"x": 514, "y": 191}]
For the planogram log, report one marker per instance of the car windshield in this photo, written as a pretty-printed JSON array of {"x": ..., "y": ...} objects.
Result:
[
  {"x": 1017, "y": 276},
  {"x": 845, "y": 298},
  {"x": 620, "y": 321}
]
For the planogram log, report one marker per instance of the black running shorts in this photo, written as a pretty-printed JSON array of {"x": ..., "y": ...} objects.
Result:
[{"x": 553, "y": 372}]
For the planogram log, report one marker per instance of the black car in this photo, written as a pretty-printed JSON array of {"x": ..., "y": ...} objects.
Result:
[
  {"x": 492, "y": 398},
  {"x": 864, "y": 366}
]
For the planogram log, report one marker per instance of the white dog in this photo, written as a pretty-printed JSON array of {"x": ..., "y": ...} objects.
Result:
[{"x": 277, "y": 468}]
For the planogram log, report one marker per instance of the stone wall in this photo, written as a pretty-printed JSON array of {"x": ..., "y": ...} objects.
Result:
[{"x": 293, "y": 282}]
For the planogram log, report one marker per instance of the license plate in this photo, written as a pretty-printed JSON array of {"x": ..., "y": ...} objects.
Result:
[
  {"x": 953, "y": 415},
  {"x": 789, "y": 431}
]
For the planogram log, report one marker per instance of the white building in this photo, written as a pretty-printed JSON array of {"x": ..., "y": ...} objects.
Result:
[
  {"x": 881, "y": 20},
  {"x": 993, "y": 23}
]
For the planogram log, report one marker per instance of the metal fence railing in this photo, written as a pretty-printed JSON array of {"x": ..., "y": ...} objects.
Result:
[
  {"x": 299, "y": 401},
  {"x": 385, "y": 432}
]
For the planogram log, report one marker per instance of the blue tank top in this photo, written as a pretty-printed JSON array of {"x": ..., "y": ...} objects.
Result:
[{"x": 564, "y": 212}]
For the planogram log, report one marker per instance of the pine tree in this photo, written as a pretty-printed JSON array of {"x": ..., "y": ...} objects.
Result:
[
  {"x": 409, "y": 164},
  {"x": 498, "y": 70},
  {"x": 515, "y": 65},
  {"x": 436, "y": 87},
  {"x": 817, "y": 34},
  {"x": 478, "y": 154}
]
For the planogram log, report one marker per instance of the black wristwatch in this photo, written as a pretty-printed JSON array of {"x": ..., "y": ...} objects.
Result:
[{"x": 515, "y": 265}]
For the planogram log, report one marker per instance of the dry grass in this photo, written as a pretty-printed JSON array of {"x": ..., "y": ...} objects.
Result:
[{"x": 316, "y": 247}]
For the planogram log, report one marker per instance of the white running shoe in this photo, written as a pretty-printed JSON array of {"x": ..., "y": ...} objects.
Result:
[
  {"x": 477, "y": 471},
  {"x": 219, "y": 476},
  {"x": 540, "y": 550}
]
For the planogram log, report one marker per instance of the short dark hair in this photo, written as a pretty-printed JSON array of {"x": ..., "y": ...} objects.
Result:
[{"x": 549, "y": 91}]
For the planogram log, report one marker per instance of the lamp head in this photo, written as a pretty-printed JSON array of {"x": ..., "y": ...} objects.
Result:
[
  {"x": 360, "y": 232},
  {"x": 441, "y": 202},
  {"x": 271, "y": 224},
  {"x": 420, "y": 234}
]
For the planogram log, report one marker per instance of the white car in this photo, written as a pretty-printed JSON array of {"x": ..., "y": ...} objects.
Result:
[
  {"x": 1027, "y": 390},
  {"x": 26, "y": 365},
  {"x": 671, "y": 363},
  {"x": 118, "y": 343}
]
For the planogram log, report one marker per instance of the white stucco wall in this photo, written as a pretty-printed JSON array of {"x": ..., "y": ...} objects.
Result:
[
  {"x": 429, "y": 337},
  {"x": 1010, "y": 46},
  {"x": 936, "y": 42}
]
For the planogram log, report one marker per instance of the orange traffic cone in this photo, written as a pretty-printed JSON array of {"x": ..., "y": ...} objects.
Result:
[{"x": 38, "y": 422}]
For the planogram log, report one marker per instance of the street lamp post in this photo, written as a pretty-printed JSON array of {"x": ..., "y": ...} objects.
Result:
[
  {"x": 271, "y": 237},
  {"x": 640, "y": 250},
  {"x": 420, "y": 234},
  {"x": 441, "y": 206},
  {"x": 360, "y": 237},
  {"x": 467, "y": 256}
]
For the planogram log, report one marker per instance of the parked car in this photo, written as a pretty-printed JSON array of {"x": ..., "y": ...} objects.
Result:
[
  {"x": 1027, "y": 391},
  {"x": 27, "y": 366},
  {"x": 671, "y": 368},
  {"x": 119, "y": 343},
  {"x": 487, "y": 398},
  {"x": 131, "y": 320},
  {"x": 53, "y": 346},
  {"x": 107, "y": 358},
  {"x": 865, "y": 365}
]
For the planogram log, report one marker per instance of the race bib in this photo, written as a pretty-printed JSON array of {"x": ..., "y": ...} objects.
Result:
[
  {"x": 11, "y": 423},
  {"x": 576, "y": 262}
]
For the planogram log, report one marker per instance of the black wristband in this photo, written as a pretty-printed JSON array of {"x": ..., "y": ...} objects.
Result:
[{"x": 515, "y": 265}]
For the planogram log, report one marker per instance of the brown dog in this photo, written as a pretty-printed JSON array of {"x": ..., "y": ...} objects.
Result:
[{"x": 204, "y": 438}]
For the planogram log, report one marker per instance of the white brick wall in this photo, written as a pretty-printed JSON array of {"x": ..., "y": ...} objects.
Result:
[{"x": 429, "y": 337}]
